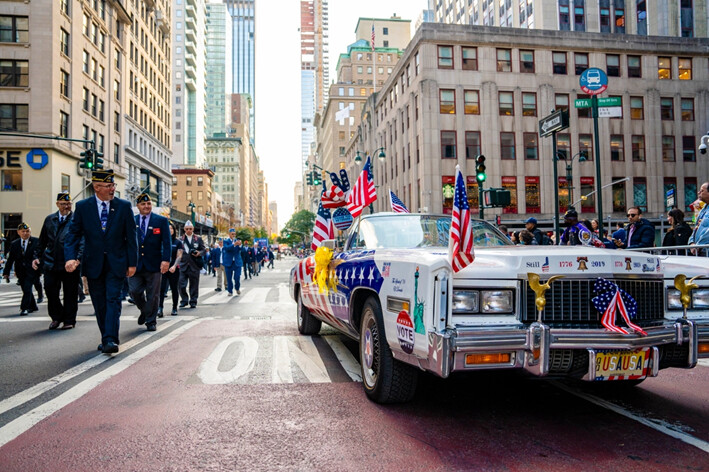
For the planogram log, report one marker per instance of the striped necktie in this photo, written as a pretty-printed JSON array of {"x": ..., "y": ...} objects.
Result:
[{"x": 104, "y": 216}]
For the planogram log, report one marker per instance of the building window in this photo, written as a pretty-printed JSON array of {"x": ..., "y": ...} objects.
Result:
[
  {"x": 116, "y": 153},
  {"x": 14, "y": 29},
  {"x": 664, "y": 68},
  {"x": 690, "y": 192},
  {"x": 559, "y": 63},
  {"x": 445, "y": 58},
  {"x": 472, "y": 102},
  {"x": 506, "y": 105},
  {"x": 416, "y": 63},
  {"x": 685, "y": 68},
  {"x": 200, "y": 182},
  {"x": 667, "y": 109},
  {"x": 189, "y": 198},
  {"x": 688, "y": 147},
  {"x": 470, "y": 58},
  {"x": 14, "y": 73},
  {"x": 619, "y": 195},
  {"x": 613, "y": 65},
  {"x": 583, "y": 112},
  {"x": 64, "y": 42},
  {"x": 510, "y": 183},
  {"x": 504, "y": 60},
  {"x": 636, "y": 108},
  {"x": 586, "y": 145},
  {"x": 580, "y": 62},
  {"x": 530, "y": 146},
  {"x": 589, "y": 204},
  {"x": 447, "y": 101},
  {"x": 563, "y": 145},
  {"x": 473, "y": 147},
  {"x": 117, "y": 90},
  {"x": 687, "y": 109},
  {"x": 63, "y": 124},
  {"x": 605, "y": 18},
  {"x": 640, "y": 193},
  {"x": 86, "y": 59},
  {"x": 635, "y": 67},
  {"x": 11, "y": 180},
  {"x": 638, "y": 147},
  {"x": 579, "y": 16},
  {"x": 448, "y": 146},
  {"x": 617, "y": 147},
  {"x": 564, "y": 17},
  {"x": 668, "y": 148},
  {"x": 64, "y": 6},
  {"x": 507, "y": 145},
  {"x": 529, "y": 104},
  {"x": 188, "y": 181},
  {"x": 531, "y": 194},
  {"x": 200, "y": 195},
  {"x": 117, "y": 121},
  {"x": 526, "y": 61},
  {"x": 14, "y": 117},
  {"x": 642, "y": 17},
  {"x": 686, "y": 21},
  {"x": 561, "y": 101}
]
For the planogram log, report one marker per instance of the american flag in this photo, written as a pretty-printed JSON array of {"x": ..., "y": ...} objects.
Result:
[
  {"x": 363, "y": 193},
  {"x": 461, "y": 234},
  {"x": 323, "y": 228},
  {"x": 611, "y": 298},
  {"x": 397, "y": 206},
  {"x": 372, "y": 36}
]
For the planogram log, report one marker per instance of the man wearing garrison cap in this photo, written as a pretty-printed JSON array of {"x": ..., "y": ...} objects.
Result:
[
  {"x": 191, "y": 264},
  {"x": 154, "y": 251},
  {"x": 110, "y": 252},
  {"x": 23, "y": 251},
  {"x": 51, "y": 260}
]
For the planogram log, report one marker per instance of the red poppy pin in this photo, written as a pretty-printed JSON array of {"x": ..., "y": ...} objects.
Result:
[{"x": 156, "y": 230}]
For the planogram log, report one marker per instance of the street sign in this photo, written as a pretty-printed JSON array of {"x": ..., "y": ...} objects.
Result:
[
  {"x": 555, "y": 122},
  {"x": 610, "y": 102},
  {"x": 610, "y": 112},
  {"x": 593, "y": 81},
  {"x": 670, "y": 198},
  {"x": 582, "y": 103}
]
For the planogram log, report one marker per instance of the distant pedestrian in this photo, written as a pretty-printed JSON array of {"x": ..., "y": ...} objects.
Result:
[
  {"x": 245, "y": 260},
  {"x": 23, "y": 251},
  {"x": 253, "y": 258},
  {"x": 191, "y": 265},
  {"x": 232, "y": 263},
  {"x": 154, "y": 247},
  {"x": 51, "y": 260},
  {"x": 270, "y": 258},
  {"x": 217, "y": 255},
  {"x": 171, "y": 278},
  {"x": 110, "y": 254}
]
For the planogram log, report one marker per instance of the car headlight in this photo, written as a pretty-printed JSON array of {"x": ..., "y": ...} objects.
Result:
[
  {"x": 700, "y": 298},
  {"x": 496, "y": 301},
  {"x": 673, "y": 302},
  {"x": 468, "y": 302}
]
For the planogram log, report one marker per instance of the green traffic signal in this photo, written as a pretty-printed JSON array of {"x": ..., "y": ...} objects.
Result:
[
  {"x": 87, "y": 159},
  {"x": 98, "y": 161},
  {"x": 316, "y": 178},
  {"x": 480, "y": 174}
]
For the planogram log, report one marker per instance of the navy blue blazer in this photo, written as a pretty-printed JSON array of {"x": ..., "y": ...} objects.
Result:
[
  {"x": 216, "y": 256},
  {"x": 118, "y": 243},
  {"x": 156, "y": 246}
]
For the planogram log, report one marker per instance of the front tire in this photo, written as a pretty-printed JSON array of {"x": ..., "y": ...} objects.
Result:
[
  {"x": 385, "y": 379},
  {"x": 307, "y": 323}
]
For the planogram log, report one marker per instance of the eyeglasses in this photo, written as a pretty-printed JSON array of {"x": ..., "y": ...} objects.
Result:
[
  {"x": 106, "y": 185},
  {"x": 632, "y": 215}
]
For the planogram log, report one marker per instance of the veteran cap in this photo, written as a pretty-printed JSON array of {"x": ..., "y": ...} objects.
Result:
[
  {"x": 189, "y": 224},
  {"x": 571, "y": 213},
  {"x": 102, "y": 176},
  {"x": 143, "y": 197},
  {"x": 63, "y": 197},
  {"x": 22, "y": 226}
]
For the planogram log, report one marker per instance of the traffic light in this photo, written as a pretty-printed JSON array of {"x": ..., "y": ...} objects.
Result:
[
  {"x": 87, "y": 159},
  {"x": 309, "y": 178},
  {"x": 98, "y": 161},
  {"x": 317, "y": 178},
  {"x": 480, "y": 174}
]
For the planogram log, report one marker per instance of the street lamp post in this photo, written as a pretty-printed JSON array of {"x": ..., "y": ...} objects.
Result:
[
  {"x": 583, "y": 156},
  {"x": 192, "y": 206}
]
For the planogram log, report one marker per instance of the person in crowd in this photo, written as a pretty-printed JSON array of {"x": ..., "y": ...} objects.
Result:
[
  {"x": 23, "y": 251},
  {"x": 246, "y": 261},
  {"x": 531, "y": 226},
  {"x": 270, "y": 258},
  {"x": 110, "y": 252},
  {"x": 253, "y": 257},
  {"x": 261, "y": 256},
  {"x": 527, "y": 238},
  {"x": 51, "y": 260},
  {"x": 217, "y": 255},
  {"x": 679, "y": 232},
  {"x": 504, "y": 230},
  {"x": 171, "y": 278},
  {"x": 574, "y": 229},
  {"x": 207, "y": 260},
  {"x": 154, "y": 247},
  {"x": 595, "y": 227},
  {"x": 190, "y": 266},
  {"x": 619, "y": 232},
  {"x": 640, "y": 232},
  {"x": 700, "y": 235},
  {"x": 232, "y": 263}
]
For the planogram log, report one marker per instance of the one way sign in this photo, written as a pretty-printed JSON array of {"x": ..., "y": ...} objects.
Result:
[{"x": 555, "y": 122}]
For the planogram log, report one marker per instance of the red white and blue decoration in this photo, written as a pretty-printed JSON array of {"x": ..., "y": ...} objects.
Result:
[
  {"x": 323, "y": 228},
  {"x": 611, "y": 299},
  {"x": 363, "y": 193},
  {"x": 460, "y": 247},
  {"x": 342, "y": 219},
  {"x": 397, "y": 206}
]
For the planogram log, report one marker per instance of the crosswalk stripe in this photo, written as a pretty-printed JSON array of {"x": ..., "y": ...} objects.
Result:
[
  {"x": 348, "y": 361},
  {"x": 254, "y": 295}
]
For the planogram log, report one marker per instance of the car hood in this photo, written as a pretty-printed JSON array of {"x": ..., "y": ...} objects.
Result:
[{"x": 688, "y": 265}]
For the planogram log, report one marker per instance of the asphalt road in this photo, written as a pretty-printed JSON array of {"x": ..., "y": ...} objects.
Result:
[{"x": 231, "y": 385}]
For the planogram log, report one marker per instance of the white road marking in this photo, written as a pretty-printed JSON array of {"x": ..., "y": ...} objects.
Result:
[
  {"x": 347, "y": 360},
  {"x": 254, "y": 295},
  {"x": 18, "y": 426},
  {"x": 703, "y": 362},
  {"x": 655, "y": 424},
  {"x": 281, "y": 371},
  {"x": 209, "y": 371},
  {"x": 284, "y": 294},
  {"x": 306, "y": 356}
]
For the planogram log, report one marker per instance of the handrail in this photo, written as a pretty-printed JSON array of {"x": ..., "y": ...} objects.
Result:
[{"x": 690, "y": 250}]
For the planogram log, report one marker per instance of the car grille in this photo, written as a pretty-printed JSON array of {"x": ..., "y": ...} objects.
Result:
[{"x": 569, "y": 303}]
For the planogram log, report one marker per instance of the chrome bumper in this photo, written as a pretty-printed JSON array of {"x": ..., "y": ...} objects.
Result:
[{"x": 530, "y": 346}]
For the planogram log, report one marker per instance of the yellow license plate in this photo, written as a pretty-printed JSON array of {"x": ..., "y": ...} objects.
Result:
[{"x": 620, "y": 365}]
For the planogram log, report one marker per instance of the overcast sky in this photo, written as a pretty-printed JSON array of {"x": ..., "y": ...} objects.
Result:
[{"x": 278, "y": 81}]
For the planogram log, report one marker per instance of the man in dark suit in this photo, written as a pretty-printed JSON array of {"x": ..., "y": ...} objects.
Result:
[
  {"x": 155, "y": 248},
  {"x": 232, "y": 263},
  {"x": 190, "y": 265},
  {"x": 110, "y": 252},
  {"x": 216, "y": 256},
  {"x": 51, "y": 259},
  {"x": 23, "y": 251}
]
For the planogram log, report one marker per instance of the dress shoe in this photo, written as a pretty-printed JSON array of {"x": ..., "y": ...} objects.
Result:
[
  {"x": 68, "y": 326},
  {"x": 100, "y": 347},
  {"x": 40, "y": 299},
  {"x": 217, "y": 289},
  {"x": 174, "y": 312},
  {"x": 24, "y": 313},
  {"x": 160, "y": 315},
  {"x": 54, "y": 324},
  {"x": 238, "y": 292},
  {"x": 82, "y": 298},
  {"x": 109, "y": 348},
  {"x": 230, "y": 294},
  {"x": 193, "y": 305},
  {"x": 151, "y": 327},
  {"x": 183, "y": 304},
  {"x": 131, "y": 301},
  {"x": 141, "y": 319}
]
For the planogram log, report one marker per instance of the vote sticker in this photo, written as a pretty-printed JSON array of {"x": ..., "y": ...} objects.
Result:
[{"x": 405, "y": 332}]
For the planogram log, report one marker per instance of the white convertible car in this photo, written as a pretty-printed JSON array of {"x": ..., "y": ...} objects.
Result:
[{"x": 392, "y": 288}]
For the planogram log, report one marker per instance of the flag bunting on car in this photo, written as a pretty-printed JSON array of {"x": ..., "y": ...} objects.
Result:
[
  {"x": 611, "y": 299},
  {"x": 363, "y": 193},
  {"x": 397, "y": 206},
  {"x": 460, "y": 244}
]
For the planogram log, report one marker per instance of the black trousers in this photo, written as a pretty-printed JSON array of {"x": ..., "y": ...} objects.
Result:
[
  {"x": 145, "y": 291},
  {"x": 56, "y": 281},
  {"x": 192, "y": 276},
  {"x": 172, "y": 279},
  {"x": 105, "y": 291},
  {"x": 27, "y": 282}
]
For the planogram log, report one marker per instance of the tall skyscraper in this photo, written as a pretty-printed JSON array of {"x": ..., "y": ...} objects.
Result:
[
  {"x": 219, "y": 71},
  {"x": 313, "y": 67},
  {"x": 243, "y": 13}
]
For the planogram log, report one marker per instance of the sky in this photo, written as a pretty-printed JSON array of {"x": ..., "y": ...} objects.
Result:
[{"x": 277, "y": 97}]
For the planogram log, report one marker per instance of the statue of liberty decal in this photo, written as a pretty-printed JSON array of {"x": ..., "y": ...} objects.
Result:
[{"x": 418, "y": 306}]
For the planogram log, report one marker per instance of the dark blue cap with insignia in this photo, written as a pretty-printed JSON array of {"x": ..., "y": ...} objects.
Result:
[
  {"x": 22, "y": 226},
  {"x": 143, "y": 197},
  {"x": 102, "y": 176},
  {"x": 63, "y": 197}
]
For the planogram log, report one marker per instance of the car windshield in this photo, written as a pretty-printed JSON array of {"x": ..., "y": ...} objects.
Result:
[{"x": 411, "y": 230}]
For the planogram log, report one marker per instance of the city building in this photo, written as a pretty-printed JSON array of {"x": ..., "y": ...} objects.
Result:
[
  {"x": 391, "y": 32},
  {"x": 64, "y": 77},
  {"x": 463, "y": 91},
  {"x": 248, "y": 165},
  {"x": 223, "y": 155},
  {"x": 273, "y": 209},
  {"x": 193, "y": 195},
  {"x": 679, "y": 18},
  {"x": 189, "y": 72},
  {"x": 219, "y": 80},
  {"x": 243, "y": 13}
]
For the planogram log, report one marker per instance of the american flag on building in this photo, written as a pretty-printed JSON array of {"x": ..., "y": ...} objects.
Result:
[
  {"x": 323, "y": 228},
  {"x": 363, "y": 193},
  {"x": 397, "y": 206},
  {"x": 460, "y": 246},
  {"x": 372, "y": 36}
]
